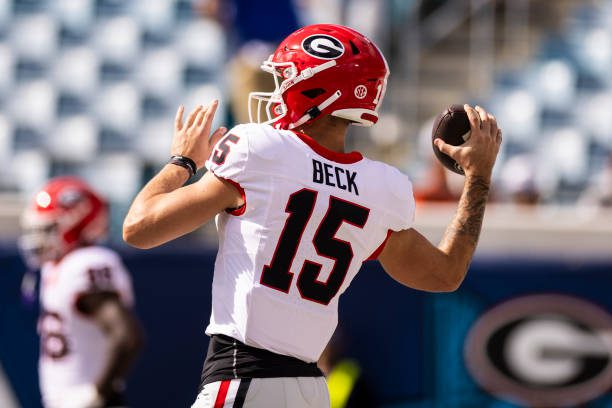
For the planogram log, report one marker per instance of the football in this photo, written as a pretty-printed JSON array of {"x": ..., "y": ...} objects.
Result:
[{"x": 453, "y": 126}]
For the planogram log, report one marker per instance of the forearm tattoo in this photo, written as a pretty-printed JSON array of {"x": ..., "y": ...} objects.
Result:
[{"x": 470, "y": 213}]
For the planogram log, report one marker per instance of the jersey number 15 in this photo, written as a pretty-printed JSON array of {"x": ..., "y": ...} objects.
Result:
[{"x": 277, "y": 274}]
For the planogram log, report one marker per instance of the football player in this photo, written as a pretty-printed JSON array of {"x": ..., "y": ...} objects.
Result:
[
  {"x": 297, "y": 216},
  {"x": 88, "y": 333}
]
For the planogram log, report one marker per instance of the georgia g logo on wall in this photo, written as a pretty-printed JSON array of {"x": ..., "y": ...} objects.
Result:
[
  {"x": 542, "y": 351},
  {"x": 323, "y": 46}
]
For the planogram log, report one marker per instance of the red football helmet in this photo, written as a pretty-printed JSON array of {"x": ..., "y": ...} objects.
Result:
[
  {"x": 323, "y": 69},
  {"x": 64, "y": 214}
]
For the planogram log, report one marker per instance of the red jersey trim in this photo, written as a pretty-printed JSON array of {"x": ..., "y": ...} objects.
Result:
[
  {"x": 343, "y": 158},
  {"x": 239, "y": 210},
  {"x": 222, "y": 394},
  {"x": 378, "y": 250}
]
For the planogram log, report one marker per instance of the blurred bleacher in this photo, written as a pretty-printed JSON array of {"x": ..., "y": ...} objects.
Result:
[{"x": 90, "y": 87}]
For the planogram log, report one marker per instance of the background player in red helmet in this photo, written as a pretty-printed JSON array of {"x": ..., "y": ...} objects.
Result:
[
  {"x": 297, "y": 216},
  {"x": 88, "y": 334}
]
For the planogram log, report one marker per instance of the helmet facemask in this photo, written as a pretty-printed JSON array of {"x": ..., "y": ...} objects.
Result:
[
  {"x": 40, "y": 241},
  {"x": 275, "y": 107},
  {"x": 49, "y": 234}
]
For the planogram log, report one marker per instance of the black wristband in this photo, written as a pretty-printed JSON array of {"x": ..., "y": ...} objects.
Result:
[{"x": 184, "y": 162}]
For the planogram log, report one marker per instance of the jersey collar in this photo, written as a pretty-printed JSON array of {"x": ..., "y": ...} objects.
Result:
[{"x": 343, "y": 158}]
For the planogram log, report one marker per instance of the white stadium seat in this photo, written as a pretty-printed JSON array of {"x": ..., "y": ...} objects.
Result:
[
  {"x": 160, "y": 72},
  {"x": 116, "y": 176},
  {"x": 34, "y": 105},
  {"x": 155, "y": 16},
  {"x": 28, "y": 178},
  {"x": 6, "y": 138},
  {"x": 7, "y": 68},
  {"x": 76, "y": 71},
  {"x": 594, "y": 116},
  {"x": 554, "y": 84},
  {"x": 202, "y": 43},
  {"x": 154, "y": 138},
  {"x": 5, "y": 12},
  {"x": 74, "y": 139},
  {"x": 201, "y": 95},
  {"x": 118, "y": 40},
  {"x": 566, "y": 151},
  {"x": 118, "y": 107},
  {"x": 35, "y": 37},
  {"x": 519, "y": 111},
  {"x": 77, "y": 15}
]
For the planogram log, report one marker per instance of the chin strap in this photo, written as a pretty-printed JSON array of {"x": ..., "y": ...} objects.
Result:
[{"x": 316, "y": 110}]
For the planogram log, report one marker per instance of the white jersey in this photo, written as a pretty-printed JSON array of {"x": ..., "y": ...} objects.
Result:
[
  {"x": 73, "y": 349},
  {"x": 311, "y": 218}
]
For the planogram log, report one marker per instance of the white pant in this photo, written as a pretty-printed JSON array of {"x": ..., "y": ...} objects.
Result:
[{"x": 284, "y": 392}]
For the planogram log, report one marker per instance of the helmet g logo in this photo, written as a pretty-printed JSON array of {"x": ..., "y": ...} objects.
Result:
[{"x": 323, "y": 46}]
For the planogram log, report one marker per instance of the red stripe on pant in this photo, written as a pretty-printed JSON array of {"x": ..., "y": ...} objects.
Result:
[{"x": 222, "y": 394}]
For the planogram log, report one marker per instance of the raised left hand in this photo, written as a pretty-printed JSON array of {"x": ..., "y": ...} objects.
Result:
[{"x": 191, "y": 138}]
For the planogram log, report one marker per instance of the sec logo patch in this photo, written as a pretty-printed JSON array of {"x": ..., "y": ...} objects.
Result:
[
  {"x": 323, "y": 46},
  {"x": 361, "y": 91}
]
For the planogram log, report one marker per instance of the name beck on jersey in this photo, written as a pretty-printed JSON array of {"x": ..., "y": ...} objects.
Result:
[{"x": 325, "y": 173}]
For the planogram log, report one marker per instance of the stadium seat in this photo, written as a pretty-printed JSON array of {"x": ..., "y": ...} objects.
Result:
[
  {"x": 209, "y": 53},
  {"x": 519, "y": 112},
  {"x": 155, "y": 16},
  {"x": 29, "y": 178},
  {"x": 34, "y": 37},
  {"x": 160, "y": 72},
  {"x": 7, "y": 63},
  {"x": 5, "y": 14},
  {"x": 6, "y": 138},
  {"x": 553, "y": 82},
  {"x": 74, "y": 139},
  {"x": 34, "y": 105},
  {"x": 76, "y": 71},
  {"x": 566, "y": 149},
  {"x": 76, "y": 15},
  {"x": 202, "y": 95},
  {"x": 594, "y": 116},
  {"x": 153, "y": 141},
  {"x": 116, "y": 176},
  {"x": 118, "y": 107},
  {"x": 593, "y": 50},
  {"x": 118, "y": 40}
]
